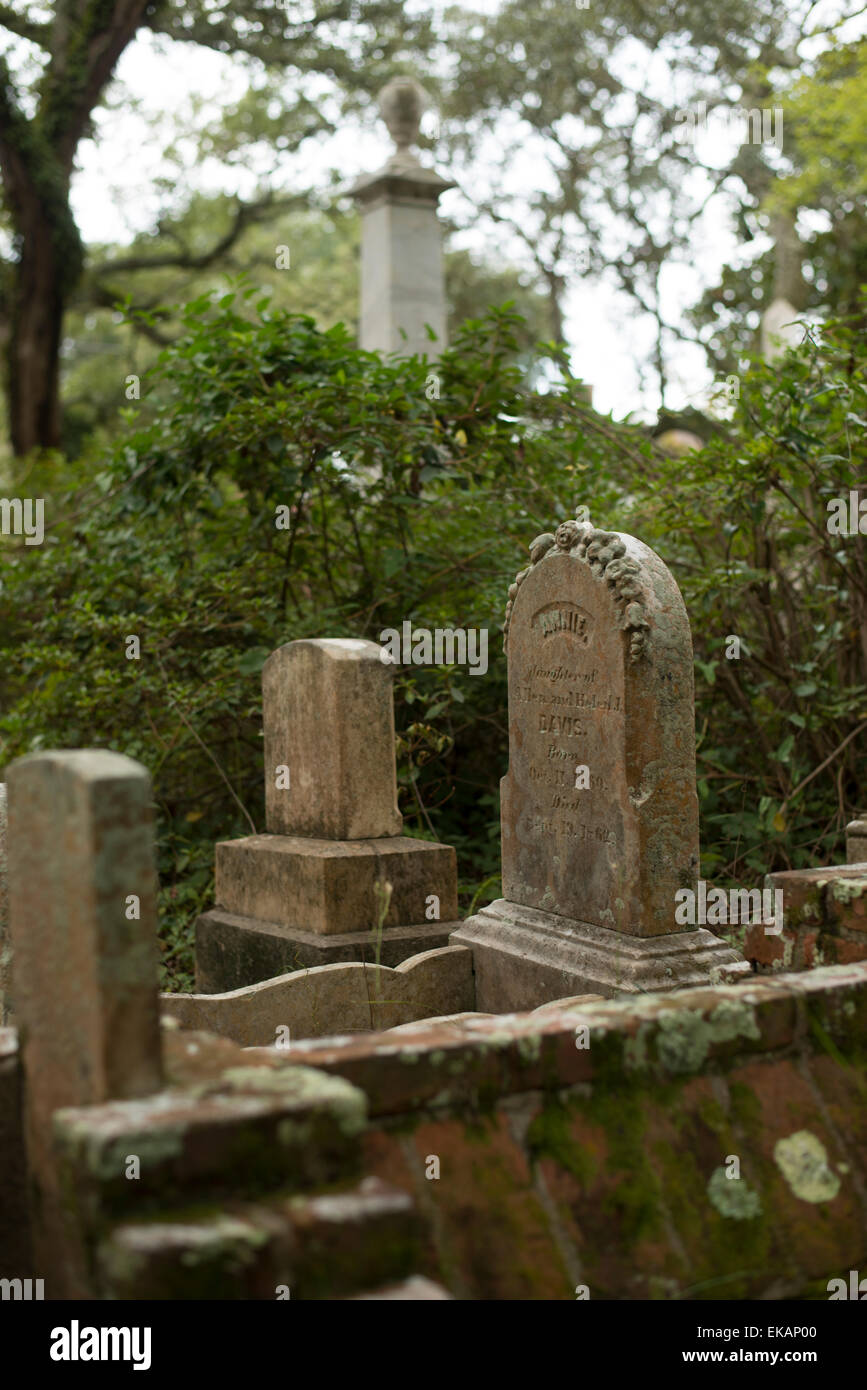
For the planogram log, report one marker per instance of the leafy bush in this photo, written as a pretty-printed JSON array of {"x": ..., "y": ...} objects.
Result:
[{"x": 744, "y": 524}]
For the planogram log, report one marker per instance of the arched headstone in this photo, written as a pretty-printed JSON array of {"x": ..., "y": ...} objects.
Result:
[{"x": 599, "y": 809}]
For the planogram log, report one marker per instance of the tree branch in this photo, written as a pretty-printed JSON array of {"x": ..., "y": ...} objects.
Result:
[
  {"x": 106, "y": 298},
  {"x": 80, "y": 69},
  {"x": 184, "y": 259}
]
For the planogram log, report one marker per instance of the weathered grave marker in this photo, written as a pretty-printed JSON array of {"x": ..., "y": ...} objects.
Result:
[
  {"x": 599, "y": 810},
  {"x": 308, "y": 892},
  {"x": 86, "y": 1003},
  {"x": 328, "y": 716}
]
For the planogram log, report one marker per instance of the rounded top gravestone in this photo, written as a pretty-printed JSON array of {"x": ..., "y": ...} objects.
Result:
[
  {"x": 599, "y": 806},
  {"x": 328, "y": 723}
]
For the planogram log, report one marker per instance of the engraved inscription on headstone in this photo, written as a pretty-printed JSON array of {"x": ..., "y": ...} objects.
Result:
[{"x": 563, "y": 848}]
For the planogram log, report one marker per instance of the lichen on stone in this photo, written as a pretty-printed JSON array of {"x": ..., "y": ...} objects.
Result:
[
  {"x": 803, "y": 1162},
  {"x": 733, "y": 1197},
  {"x": 685, "y": 1036},
  {"x": 846, "y": 890},
  {"x": 303, "y": 1086},
  {"x": 224, "y": 1238},
  {"x": 530, "y": 1048},
  {"x": 152, "y": 1148}
]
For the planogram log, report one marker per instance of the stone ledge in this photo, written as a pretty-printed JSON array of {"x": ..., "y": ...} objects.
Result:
[
  {"x": 623, "y": 1187},
  {"x": 233, "y": 952},
  {"x": 824, "y": 919},
  {"x": 667, "y": 1035},
  {"x": 318, "y": 1247},
  {"x": 351, "y": 997},
  {"x": 524, "y": 957},
  {"x": 252, "y": 1129}
]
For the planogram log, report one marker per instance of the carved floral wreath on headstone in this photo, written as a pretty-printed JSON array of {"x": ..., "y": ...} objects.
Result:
[{"x": 605, "y": 555}]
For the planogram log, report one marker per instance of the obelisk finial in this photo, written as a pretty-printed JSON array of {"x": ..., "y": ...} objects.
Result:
[{"x": 402, "y": 103}]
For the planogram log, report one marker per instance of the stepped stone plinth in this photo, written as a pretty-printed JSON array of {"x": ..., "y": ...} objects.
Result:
[{"x": 312, "y": 890}]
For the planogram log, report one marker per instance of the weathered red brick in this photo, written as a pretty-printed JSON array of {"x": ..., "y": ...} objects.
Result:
[
  {"x": 763, "y": 948},
  {"x": 493, "y": 1226},
  {"x": 845, "y": 901}
]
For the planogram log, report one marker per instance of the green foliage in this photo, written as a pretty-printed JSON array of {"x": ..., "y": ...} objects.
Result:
[
  {"x": 815, "y": 204},
  {"x": 279, "y": 483},
  {"x": 827, "y": 113},
  {"x": 337, "y": 55},
  {"x": 744, "y": 526},
  {"x": 403, "y": 498},
  {"x": 103, "y": 346}
]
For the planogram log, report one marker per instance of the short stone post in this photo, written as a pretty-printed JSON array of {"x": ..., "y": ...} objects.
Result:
[
  {"x": 312, "y": 890},
  {"x": 856, "y": 842},
  {"x": 82, "y": 909}
]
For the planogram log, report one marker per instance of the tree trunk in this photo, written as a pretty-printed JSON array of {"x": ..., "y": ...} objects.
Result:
[
  {"x": 37, "y": 292},
  {"x": 556, "y": 286}
]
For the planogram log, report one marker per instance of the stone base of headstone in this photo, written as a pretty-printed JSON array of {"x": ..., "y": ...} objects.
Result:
[
  {"x": 233, "y": 952},
  {"x": 330, "y": 886},
  {"x": 290, "y": 902},
  {"x": 523, "y": 958}
]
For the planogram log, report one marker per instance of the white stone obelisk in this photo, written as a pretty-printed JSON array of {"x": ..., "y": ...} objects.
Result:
[{"x": 402, "y": 280}]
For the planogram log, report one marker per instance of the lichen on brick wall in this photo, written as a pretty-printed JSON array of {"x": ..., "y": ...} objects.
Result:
[
  {"x": 803, "y": 1161},
  {"x": 733, "y": 1197},
  {"x": 680, "y": 1039}
]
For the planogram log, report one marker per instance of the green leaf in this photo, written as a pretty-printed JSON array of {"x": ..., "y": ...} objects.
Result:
[{"x": 252, "y": 660}]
